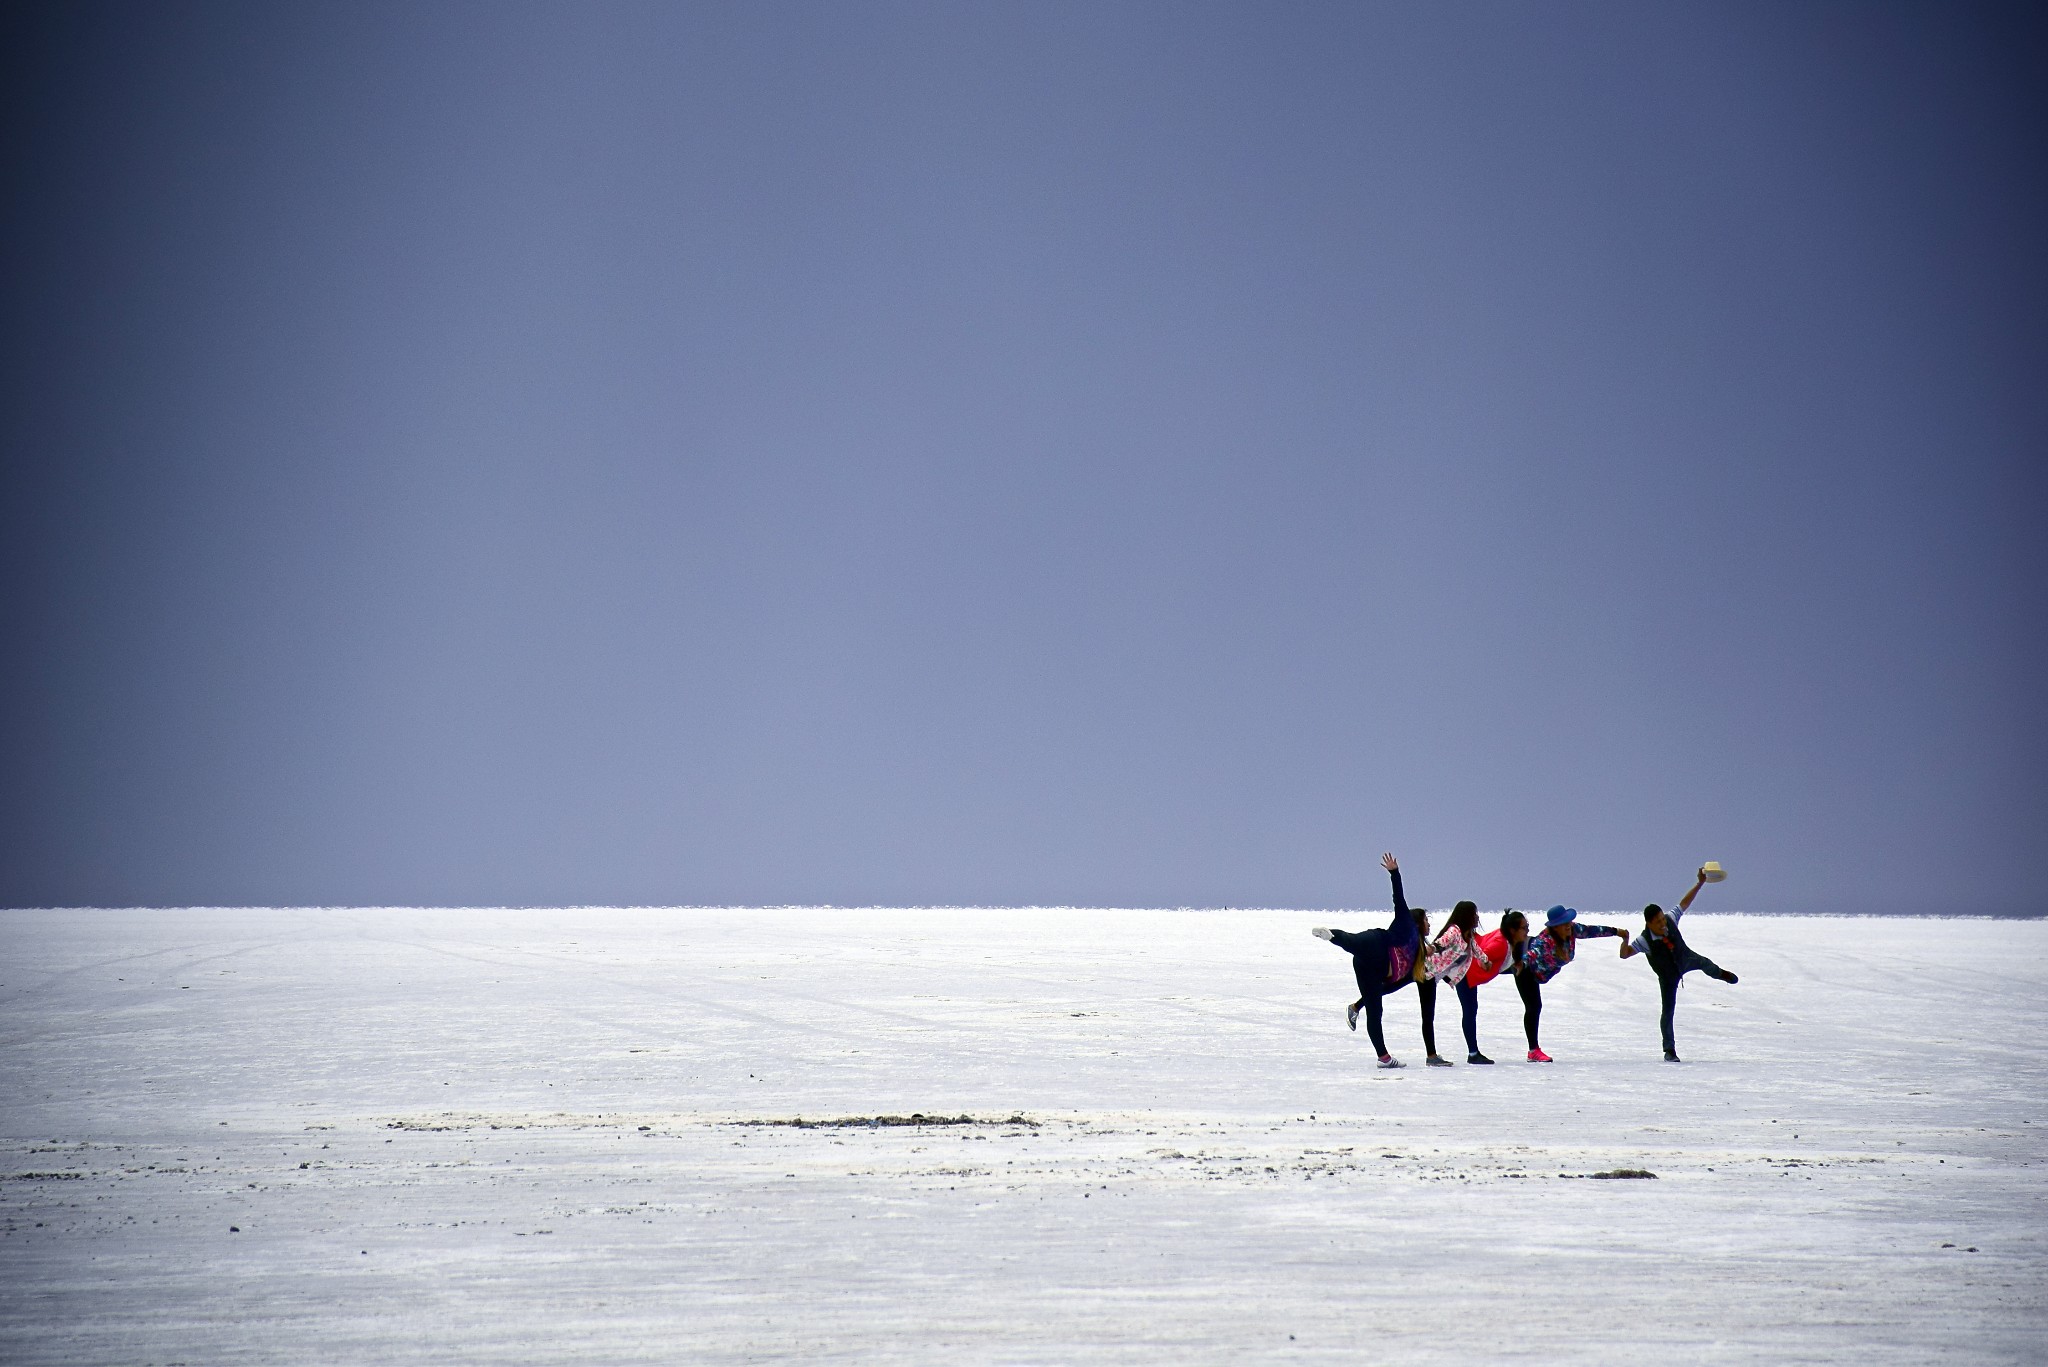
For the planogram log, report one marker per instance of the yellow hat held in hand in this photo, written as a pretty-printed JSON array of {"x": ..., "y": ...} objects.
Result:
[{"x": 1712, "y": 872}]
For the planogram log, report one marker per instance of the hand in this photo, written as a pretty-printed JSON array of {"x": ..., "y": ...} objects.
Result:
[
  {"x": 1627, "y": 949},
  {"x": 1390, "y": 864},
  {"x": 1702, "y": 881}
]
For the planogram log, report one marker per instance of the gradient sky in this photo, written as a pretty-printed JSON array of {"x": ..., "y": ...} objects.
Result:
[{"x": 1129, "y": 454}]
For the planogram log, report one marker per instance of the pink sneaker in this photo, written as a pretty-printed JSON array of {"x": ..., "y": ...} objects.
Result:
[{"x": 1538, "y": 1056}]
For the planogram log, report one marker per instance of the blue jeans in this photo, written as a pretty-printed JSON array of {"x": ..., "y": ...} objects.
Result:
[
  {"x": 1468, "y": 1009},
  {"x": 1667, "y": 987}
]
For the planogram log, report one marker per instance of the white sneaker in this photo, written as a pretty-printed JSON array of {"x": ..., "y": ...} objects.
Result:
[
  {"x": 1323, "y": 933},
  {"x": 1391, "y": 1062}
]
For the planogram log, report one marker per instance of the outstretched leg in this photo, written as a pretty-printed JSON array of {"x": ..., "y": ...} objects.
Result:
[
  {"x": 1358, "y": 941},
  {"x": 1695, "y": 959}
]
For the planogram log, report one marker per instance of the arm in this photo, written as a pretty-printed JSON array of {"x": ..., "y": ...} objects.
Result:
[
  {"x": 1393, "y": 868},
  {"x": 1585, "y": 932},
  {"x": 1691, "y": 893}
]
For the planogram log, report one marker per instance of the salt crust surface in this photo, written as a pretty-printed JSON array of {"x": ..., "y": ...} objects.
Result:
[{"x": 507, "y": 1136}]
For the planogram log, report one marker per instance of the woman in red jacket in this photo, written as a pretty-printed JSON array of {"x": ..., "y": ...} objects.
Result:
[{"x": 1489, "y": 956}]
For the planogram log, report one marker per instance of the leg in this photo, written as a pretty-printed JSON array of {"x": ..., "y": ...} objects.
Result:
[
  {"x": 1425, "y": 992},
  {"x": 1468, "y": 1013},
  {"x": 1372, "y": 1024},
  {"x": 1667, "y": 989},
  {"x": 1532, "y": 1005},
  {"x": 1695, "y": 959},
  {"x": 1358, "y": 942},
  {"x": 1369, "y": 967}
]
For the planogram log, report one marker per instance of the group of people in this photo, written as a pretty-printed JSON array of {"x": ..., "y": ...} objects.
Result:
[{"x": 1385, "y": 961}]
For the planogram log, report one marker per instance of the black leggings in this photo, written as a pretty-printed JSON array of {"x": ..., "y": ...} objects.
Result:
[
  {"x": 1426, "y": 990},
  {"x": 1370, "y": 952},
  {"x": 1369, "y": 966},
  {"x": 1532, "y": 1004}
]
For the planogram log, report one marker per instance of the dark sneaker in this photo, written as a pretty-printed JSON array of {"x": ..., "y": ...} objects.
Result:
[
  {"x": 1439, "y": 1061},
  {"x": 1351, "y": 1016},
  {"x": 1728, "y": 977},
  {"x": 1477, "y": 1058},
  {"x": 1670, "y": 1057}
]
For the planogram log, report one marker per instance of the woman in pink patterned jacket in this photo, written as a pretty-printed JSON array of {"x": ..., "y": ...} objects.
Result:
[{"x": 1452, "y": 956}]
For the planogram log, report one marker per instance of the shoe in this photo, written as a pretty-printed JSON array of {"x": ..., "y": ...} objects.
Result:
[
  {"x": 1351, "y": 1016},
  {"x": 1322, "y": 933},
  {"x": 1477, "y": 1058},
  {"x": 1729, "y": 978},
  {"x": 1391, "y": 1062},
  {"x": 1538, "y": 1056},
  {"x": 1439, "y": 1061},
  {"x": 1670, "y": 1057}
]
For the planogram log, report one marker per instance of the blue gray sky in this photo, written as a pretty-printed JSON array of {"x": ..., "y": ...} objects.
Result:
[{"x": 1128, "y": 454}]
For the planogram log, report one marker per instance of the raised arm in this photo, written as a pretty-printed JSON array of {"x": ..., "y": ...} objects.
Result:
[
  {"x": 1691, "y": 893},
  {"x": 1393, "y": 868}
]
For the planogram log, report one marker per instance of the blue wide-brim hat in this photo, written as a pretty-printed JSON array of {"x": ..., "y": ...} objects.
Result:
[{"x": 1557, "y": 916}]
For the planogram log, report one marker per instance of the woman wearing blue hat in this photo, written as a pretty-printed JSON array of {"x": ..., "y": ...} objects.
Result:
[
  {"x": 1383, "y": 961},
  {"x": 1541, "y": 957}
]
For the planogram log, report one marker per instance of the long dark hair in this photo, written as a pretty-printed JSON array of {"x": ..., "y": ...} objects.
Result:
[{"x": 1465, "y": 916}]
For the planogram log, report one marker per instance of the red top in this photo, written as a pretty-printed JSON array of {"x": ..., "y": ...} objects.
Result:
[{"x": 1494, "y": 946}]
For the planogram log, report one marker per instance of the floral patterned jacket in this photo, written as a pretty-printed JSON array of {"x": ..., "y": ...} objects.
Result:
[
  {"x": 1451, "y": 957},
  {"x": 1542, "y": 956}
]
